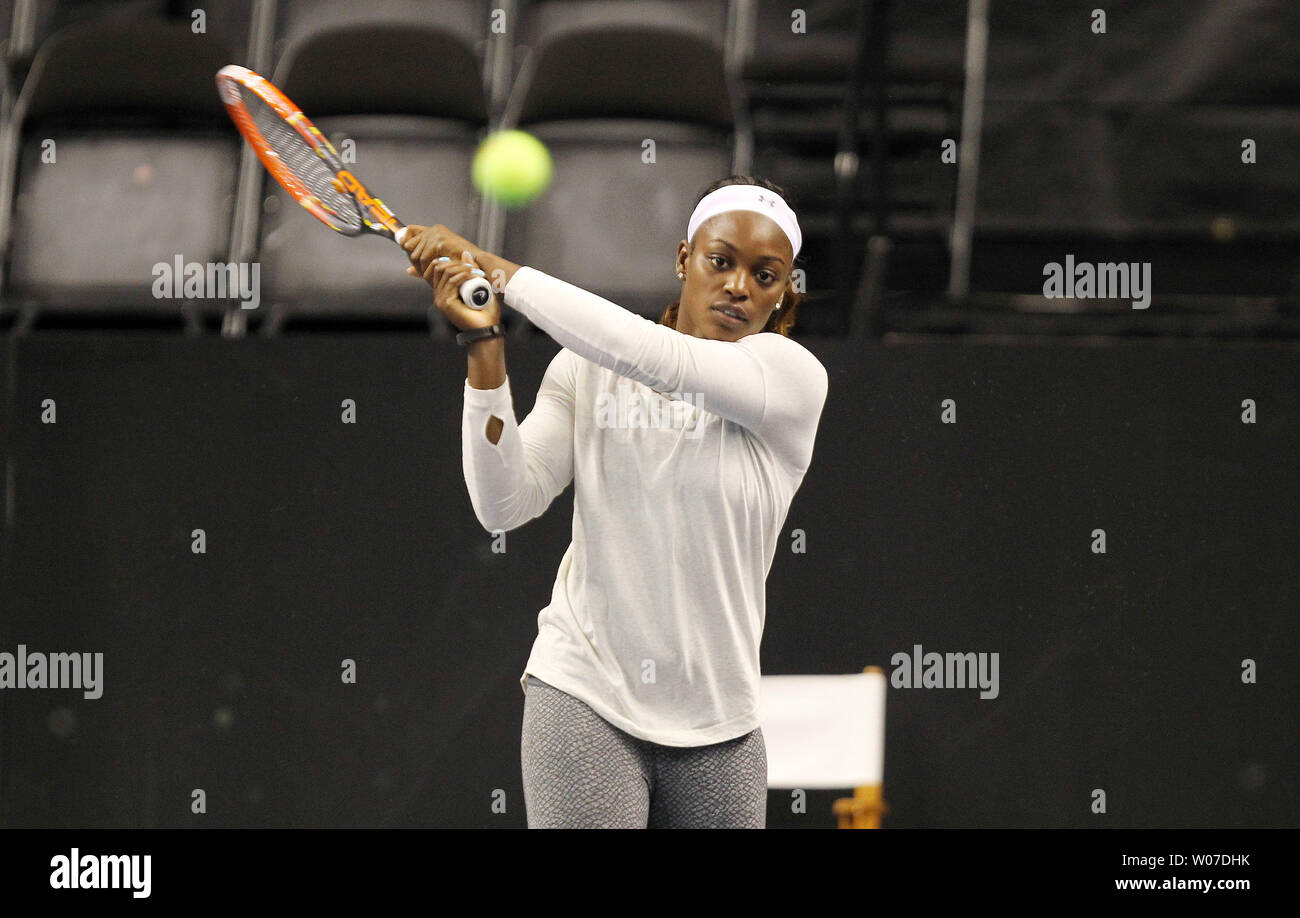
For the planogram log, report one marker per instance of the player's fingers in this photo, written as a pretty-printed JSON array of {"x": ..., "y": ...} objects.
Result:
[
  {"x": 419, "y": 254},
  {"x": 421, "y": 240},
  {"x": 434, "y": 270},
  {"x": 428, "y": 243},
  {"x": 447, "y": 294},
  {"x": 449, "y": 244},
  {"x": 451, "y": 281},
  {"x": 412, "y": 237}
]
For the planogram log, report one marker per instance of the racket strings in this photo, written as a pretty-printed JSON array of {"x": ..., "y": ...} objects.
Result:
[{"x": 299, "y": 158}]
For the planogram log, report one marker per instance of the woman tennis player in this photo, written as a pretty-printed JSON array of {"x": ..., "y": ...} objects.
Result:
[{"x": 686, "y": 441}]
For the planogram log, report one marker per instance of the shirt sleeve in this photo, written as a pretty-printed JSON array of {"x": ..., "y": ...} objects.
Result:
[
  {"x": 765, "y": 382},
  {"x": 516, "y": 479}
]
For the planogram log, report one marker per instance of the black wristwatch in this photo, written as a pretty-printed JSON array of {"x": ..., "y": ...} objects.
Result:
[{"x": 478, "y": 334}]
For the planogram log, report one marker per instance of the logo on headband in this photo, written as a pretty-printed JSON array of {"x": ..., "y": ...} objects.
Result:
[{"x": 763, "y": 199}]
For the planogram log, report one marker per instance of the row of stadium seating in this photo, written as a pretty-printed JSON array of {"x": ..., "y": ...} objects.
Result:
[
  {"x": 116, "y": 156},
  {"x": 639, "y": 103}
]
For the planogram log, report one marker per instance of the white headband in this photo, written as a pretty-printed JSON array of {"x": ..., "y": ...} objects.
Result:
[{"x": 747, "y": 197}]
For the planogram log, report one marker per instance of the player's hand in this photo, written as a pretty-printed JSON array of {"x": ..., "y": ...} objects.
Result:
[
  {"x": 426, "y": 244},
  {"x": 446, "y": 277}
]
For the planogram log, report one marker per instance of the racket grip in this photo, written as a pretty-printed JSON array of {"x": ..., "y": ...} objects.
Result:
[{"x": 476, "y": 293}]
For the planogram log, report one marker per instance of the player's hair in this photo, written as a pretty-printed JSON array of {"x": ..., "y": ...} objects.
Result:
[{"x": 781, "y": 320}]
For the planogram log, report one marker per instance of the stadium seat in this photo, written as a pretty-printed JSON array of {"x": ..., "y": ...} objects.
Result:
[
  {"x": 298, "y": 20},
  {"x": 1094, "y": 149},
  {"x": 469, "y": 20},
  {"x": 809, "y": 74},
  {"x": 91, "y": 170},
  {"x": 34, "y": 21},
  {"x": 632, "y": 151},
  {"x": 412, "y": 141}
]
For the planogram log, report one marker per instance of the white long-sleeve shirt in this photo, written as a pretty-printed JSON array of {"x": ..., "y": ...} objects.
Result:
[{"x": 658, "y": 606}]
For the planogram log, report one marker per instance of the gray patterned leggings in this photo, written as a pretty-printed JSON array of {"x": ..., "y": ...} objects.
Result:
[{"x": 580, "y": 771}]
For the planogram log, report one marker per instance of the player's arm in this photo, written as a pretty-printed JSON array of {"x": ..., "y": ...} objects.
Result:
[
  {"x": 772, "y": 387},
  {"x": 514, "y": 476},
  {"x": 512, "y": 471},
  {"x": 766, "y": 383}
]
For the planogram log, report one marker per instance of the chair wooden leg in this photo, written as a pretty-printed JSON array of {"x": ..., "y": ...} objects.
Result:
[{"x": 863, "y": 810}]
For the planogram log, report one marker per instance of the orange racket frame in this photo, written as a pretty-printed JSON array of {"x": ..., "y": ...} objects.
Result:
[{"x": 375, "y": 215}]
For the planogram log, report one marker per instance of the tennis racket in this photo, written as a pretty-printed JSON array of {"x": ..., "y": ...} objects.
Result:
[{"x": 299, "y": 157}]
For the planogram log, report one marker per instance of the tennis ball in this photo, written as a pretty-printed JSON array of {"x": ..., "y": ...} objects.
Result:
[{"x": 513, "y": 167}]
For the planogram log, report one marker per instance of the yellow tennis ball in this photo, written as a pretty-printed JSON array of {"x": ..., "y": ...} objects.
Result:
[{"x": 513, "y": 167}]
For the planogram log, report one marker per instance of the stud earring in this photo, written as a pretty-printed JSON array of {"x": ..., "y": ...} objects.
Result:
[{"x": 681, "y": 276}]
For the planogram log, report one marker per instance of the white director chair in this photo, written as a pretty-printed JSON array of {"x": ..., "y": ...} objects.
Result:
[{"x": 827, "y": 732}]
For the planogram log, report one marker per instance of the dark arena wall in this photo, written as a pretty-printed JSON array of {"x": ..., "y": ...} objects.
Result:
[{"x": 969, "y": 526}]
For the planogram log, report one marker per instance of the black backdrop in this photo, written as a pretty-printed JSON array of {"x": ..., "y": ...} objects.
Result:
[{"x": 328, "y": 541}]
